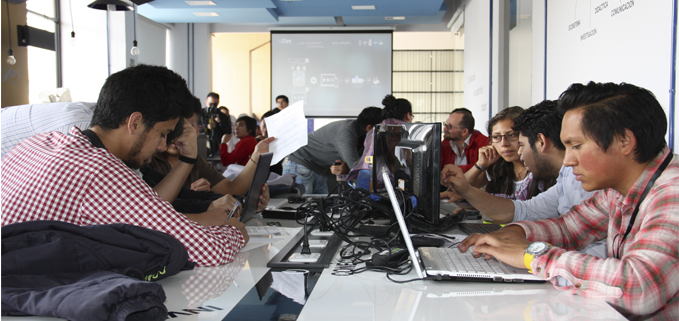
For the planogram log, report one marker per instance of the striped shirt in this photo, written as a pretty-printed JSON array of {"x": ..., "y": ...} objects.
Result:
[
  {"x": 24, "y": 121},
  {"x": 53, "y": 176},
  {"x": 645, "y": 279}
]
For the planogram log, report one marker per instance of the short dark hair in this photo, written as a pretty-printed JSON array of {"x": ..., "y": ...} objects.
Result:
[
  {"x": 397, "y": 108},
  {"x": 284, "y": 97},
  {"x": 467, "y": 121},
  {"x": 608, "y": 109},
  {"x": 271, "y": 113},
  {"x": 158, "y": 93},
  {"x": 224, "y": 107},
  {"x": 250, "y": 124},
  {"x": 542, "y": 118},
  {"x": 179, "y": 128},
  {"x": 213, "y": 95},
  {"x": 369, "y": 116}
]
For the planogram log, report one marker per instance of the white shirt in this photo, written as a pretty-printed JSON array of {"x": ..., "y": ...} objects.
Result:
[{"x": 460, "y": 156}]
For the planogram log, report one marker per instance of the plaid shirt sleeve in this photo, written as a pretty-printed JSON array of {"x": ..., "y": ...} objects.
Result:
[
  {"x": 119, "y": 196},
  {"x": 644, "y": 279}
]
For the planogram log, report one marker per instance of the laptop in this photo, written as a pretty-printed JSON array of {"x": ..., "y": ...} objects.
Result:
[
  {"x": 435, "y": 263},
  {"x": 258, "y": 180}
]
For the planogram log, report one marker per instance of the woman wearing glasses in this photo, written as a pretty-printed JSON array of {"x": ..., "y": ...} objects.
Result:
[{"x": 499, "y": 169}]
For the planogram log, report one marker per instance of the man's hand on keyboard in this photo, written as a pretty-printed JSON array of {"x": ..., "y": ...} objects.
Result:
[
  {"x": 505, "y": 233},
  {"x": 509, "y": 250}
]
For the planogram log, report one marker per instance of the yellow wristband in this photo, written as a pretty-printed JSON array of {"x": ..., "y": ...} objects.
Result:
[{"x": 527, "y": 259}]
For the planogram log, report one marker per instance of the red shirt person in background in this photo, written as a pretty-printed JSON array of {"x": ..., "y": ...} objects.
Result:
[{"x": 246, "y": 129}]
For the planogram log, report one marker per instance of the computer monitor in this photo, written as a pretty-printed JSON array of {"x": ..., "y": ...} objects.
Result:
[{"x": 411, "y": 154}]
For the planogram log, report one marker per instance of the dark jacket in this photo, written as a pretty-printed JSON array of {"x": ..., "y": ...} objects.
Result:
[{"x": 95, "y": 272}]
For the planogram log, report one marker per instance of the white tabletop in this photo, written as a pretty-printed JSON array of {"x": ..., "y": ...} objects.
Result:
[{"x": 209, "y": 293}]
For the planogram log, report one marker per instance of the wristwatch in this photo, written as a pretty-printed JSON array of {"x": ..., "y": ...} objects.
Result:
[{"x": 533, "y": 250}]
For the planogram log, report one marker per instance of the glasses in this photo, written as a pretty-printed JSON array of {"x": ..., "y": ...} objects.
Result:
[
  {"x": 450, "y": 126},
  {"x": 510, "y": 137}
]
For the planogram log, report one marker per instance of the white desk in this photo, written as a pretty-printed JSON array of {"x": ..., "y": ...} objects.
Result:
[{"x": 209, "y": 293}]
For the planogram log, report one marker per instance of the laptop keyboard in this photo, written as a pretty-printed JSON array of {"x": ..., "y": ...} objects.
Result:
[
  {"x": 466, "y": 262},
  {"x": 482, "y": 228}
]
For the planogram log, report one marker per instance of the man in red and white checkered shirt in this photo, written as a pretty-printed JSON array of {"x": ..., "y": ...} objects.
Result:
[
  {"x": 86, "y": 177},
  {"x": 614, "y": 138}
]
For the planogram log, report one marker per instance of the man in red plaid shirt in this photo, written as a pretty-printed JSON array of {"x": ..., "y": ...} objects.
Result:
[
  {"x": 614, "y": 138},
  {"x": 86, "y": 177}
]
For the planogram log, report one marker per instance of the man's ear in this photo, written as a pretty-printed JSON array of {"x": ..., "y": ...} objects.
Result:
[
  {"x": 135, "y": 123},
  {"x": 541, "y": 143},
  {"x": 628, "y": 142},
  {"x": 368, "y": 128}
]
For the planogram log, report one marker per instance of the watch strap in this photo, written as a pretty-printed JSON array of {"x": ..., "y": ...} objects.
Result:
[
  {"x": 527, "y": 260},
  {"x": 188, "y": 160}
]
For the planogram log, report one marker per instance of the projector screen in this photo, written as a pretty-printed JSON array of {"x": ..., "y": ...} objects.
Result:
[{"x": 336, "y": 74}]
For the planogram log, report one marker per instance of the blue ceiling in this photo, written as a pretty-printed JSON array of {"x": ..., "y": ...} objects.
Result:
[{"x": 280, "y": 13}]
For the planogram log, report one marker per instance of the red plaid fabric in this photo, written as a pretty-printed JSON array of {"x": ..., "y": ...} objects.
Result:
[
  {"x": 645, "y": 280},
  {"x": 60, "y": 177}
]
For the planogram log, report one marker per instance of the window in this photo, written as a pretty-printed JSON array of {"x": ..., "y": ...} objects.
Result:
[
  {"x": 42, "y": 63},
  {"x": 432, "y": 80}
]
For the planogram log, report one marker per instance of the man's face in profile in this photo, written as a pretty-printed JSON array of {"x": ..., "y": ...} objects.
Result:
[
  {"x": 452, "y": 129},
  {"x": 148, "y": 143},
  {"x": 536, "y": 164}
]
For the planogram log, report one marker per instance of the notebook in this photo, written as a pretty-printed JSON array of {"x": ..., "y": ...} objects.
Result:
[
  {"x": 449, "y": 263},
  {"x": 258, "y": 180}
]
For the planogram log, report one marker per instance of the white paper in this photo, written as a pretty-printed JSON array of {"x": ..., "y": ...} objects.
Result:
[
  {"x": 262, "y": 230},
  {"x": 290, "y": 129},
  {"x": 256, "y": 242}
]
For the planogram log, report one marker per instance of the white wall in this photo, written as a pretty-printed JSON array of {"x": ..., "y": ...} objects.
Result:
[
  {"x": 633, "y": 45},
  {"x": 476, "y": 60}
]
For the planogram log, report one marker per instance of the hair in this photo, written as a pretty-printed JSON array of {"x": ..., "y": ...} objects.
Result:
[
  {"x": 542, "y": 118},
  {"x": 369, "y": 116},
  {"x": 158, "y": 93},
  {"x": 467, "y": 121},
  {"x": 271, "y": 113},
  {"x": 396, "y": 108},
  {"x": 284, "y": 97},
  {"x": 179, "y": 128},
  {"x": 502, "y": 172},
  {"x": 213, "y": 95},
  {"x": 250, "y": 124},
  {"x": 608, "y": 109},
  {"x": 223, "y": 107}
]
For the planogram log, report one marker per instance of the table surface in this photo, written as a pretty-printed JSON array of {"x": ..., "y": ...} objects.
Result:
[{"x": 209, "y": 293}]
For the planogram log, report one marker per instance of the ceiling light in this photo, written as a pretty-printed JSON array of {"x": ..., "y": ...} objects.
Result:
[
  {"x": 395, "y": 18},
  {"x": 110, "y": 5},
  {"x": 200, "y": 3},
  {"x": 370, "y": 7},
  {"x": 206, "y": 14}
]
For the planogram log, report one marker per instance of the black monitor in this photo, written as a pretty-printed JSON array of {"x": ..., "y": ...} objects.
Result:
[{"x": 412, "y": 155}]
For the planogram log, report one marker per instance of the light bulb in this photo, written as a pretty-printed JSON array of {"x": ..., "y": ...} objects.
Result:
[
  {"x": 72, "y": 40},
  {"x": 10, "y": 59},
  {"x": 135, "y": 49}
]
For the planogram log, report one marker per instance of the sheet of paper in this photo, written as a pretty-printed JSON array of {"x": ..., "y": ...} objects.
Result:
[
  {"x": 290, "y": 129},
  {"x": 256, "y": 242},
  {"x": 262, "y": 230}
]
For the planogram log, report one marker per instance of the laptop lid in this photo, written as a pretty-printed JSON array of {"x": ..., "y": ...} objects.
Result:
[
  {"x": 258, "y": 180},
  {"x": 402, "y": 223}
]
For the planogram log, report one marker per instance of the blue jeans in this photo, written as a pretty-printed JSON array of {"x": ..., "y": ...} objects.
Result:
[{"x": 313, "y": 183}]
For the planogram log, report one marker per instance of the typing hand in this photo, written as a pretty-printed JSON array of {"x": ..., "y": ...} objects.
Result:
[
  {"x": 201, "y": 185},
  {"x": 187, "y": 141},
  {"x": 510, "y": 250},
  {"x": 453, "y": 177},
  {"x": 508, "y": 232},
  {"x": 451, "y": 196},
  {"x": 263, "y": 199}
]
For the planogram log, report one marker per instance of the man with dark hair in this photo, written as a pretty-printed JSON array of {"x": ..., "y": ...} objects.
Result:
[
  {"x": 282, "y": 102},
  {"x": 86, "y": 177},
  {"x": 246, "y": 130},
  {"x": 614, "y": 139},
  {"x": 339, "y": 142},
  {"x": 461, "y": 143}
]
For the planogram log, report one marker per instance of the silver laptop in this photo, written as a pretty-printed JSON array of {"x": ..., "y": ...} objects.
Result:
[{"x": 449, "y": 263}]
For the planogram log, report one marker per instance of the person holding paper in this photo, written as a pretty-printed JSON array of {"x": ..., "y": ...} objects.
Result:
[{"x": 338, "y": 142}]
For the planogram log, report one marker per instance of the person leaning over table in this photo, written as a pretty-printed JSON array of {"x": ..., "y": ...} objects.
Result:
[
  {"x": 614, "y": 138},
  {"x": 87, "y": 177}
]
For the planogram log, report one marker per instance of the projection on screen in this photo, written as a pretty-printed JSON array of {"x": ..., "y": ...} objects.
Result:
[{"x": 335, "y": 74}]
